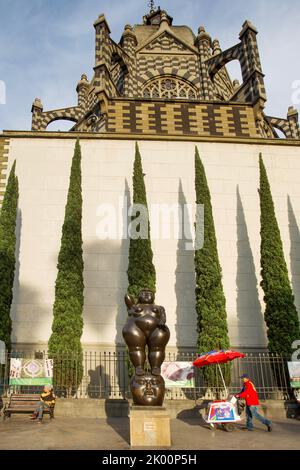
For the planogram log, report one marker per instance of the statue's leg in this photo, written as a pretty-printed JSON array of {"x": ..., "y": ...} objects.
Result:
[
  {"x": 157, "y": 348},
  {"x": 136, "y": 342}
]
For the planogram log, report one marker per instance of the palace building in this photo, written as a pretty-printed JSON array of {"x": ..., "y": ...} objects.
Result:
[{"x": 167, "y": 88}]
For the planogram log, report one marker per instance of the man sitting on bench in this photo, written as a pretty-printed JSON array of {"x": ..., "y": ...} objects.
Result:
[{"x": 47, "y": 401}]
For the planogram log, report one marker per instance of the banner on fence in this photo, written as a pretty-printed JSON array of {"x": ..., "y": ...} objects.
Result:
[
  {"x": 178, "y": 374},
  {"x": 31, "y": 372},
  {"x": 294, "y": 370}
]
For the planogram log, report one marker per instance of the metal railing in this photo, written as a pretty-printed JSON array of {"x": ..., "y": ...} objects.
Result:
[{"x": 105, "y": 376}]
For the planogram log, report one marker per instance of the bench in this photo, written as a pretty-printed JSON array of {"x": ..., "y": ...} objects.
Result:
[{"x": 24, "y": 404}]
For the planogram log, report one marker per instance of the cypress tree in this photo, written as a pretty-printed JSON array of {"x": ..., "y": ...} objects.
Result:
[
  {"x": 141, "y": 271},
  {"x": 8, "y": 219},
  {"x": 280, "y": 314},
  {"x": 210, "y": 298},
  {"x": 64, "y": 344}
]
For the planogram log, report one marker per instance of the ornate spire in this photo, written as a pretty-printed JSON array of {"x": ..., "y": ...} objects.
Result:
[{"x": 151, "y": 5}]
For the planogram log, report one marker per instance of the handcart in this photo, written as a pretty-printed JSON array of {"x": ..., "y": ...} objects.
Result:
[
  {"x": 224, "y": 414},
  {"x": 221, "y": 412}
]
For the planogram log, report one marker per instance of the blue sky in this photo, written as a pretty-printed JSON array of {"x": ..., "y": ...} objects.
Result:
[{"x": 45, "y": 45}]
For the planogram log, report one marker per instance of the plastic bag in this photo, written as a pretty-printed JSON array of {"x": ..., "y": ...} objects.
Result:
[{"x": 240, "y": 406}]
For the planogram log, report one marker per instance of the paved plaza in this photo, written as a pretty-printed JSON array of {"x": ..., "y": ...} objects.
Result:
[{"x": 20, "y": 433}]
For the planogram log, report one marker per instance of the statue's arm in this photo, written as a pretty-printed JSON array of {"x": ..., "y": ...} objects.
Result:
[
  {"x": 163, "y": 317},
  {"x": 129, "y": 301},
  {"x": 131, "y": 306}
]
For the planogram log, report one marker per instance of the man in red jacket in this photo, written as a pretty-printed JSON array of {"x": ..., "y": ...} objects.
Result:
[{"x": 250, "y": 395}]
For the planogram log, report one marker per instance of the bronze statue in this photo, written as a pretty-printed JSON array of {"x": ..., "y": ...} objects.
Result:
[
  {"x": 148, "y": 390},
  {"x": 146, "y": 328}
]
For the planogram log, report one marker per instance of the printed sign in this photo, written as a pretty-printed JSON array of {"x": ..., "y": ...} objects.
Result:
[
  {"x": 294, "y": 370},
  {"x": 150, "y": 426},
  {"x": 178, "y": 374},
  {"x": 222, "y": 413},
  {"x": 31, "y": 372}
]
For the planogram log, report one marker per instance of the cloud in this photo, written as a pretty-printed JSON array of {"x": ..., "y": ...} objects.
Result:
[{"x": 45, "y": 46}]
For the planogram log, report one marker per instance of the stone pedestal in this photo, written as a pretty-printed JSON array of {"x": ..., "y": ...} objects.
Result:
[{"x": 149, "y": 427}]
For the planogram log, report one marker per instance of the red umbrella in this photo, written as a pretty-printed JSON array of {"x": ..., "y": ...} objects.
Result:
[{"x": 217, "y": 357}]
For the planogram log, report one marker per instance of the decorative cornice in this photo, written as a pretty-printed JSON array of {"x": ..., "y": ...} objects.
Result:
[
  {"x": 176, "y": 138},
  {"x": 102, "y": 19},
  {"x": 159, "y": 33},
  {"x": 246, "y": 26}
]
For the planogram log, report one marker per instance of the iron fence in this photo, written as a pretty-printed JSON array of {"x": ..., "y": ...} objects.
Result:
[{"x": 104, "y": 375}]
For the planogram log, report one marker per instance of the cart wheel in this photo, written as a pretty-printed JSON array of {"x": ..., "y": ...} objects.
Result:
[
  {"x": 212, "y": 426},
  {"x": 228, "y": 427}
]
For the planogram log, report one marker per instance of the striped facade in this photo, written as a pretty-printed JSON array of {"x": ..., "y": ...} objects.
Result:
[
  {"x": 219, "y": 120},
  {"x": 158, "y": 61}
]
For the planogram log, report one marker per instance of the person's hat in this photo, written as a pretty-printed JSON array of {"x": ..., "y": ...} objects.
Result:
[{"x": 245, "y": 376}]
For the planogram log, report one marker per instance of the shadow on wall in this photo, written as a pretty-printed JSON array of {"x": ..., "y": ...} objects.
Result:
[
  {"x": 295, "y": 252},
  {"x": 105, "y": 283},
  {"x": 16, "y": 288},
  {"x": 185, "y": 273},
  {"x": 99, "y": 383},
  {"x": 123, "y": 266},
  {"x": 122, "y": 373},
  {"x": 27, "y": 297},
  {"x": 248, "y": 306},
  {"x": 17, "y": 253},
  {"x": 105, "y": 287}
]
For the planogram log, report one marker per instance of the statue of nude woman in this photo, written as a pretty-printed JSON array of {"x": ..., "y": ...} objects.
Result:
[{"x": 146, "y": 326}]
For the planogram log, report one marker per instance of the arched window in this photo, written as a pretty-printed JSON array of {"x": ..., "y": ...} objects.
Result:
[
  {"x": 60, "y": 125},
  {"x": 280, "y": 134},
  {"x": 169, "y": 88},
  {"x": 235, "y": 71}
]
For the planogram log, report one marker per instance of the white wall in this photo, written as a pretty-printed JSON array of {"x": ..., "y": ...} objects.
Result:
[{"x": 43, "y": 168}]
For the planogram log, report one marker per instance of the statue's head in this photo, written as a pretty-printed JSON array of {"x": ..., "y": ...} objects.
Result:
[
  {"x": 148, "y": 390},
  {"x": 146, "y": 296}
]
